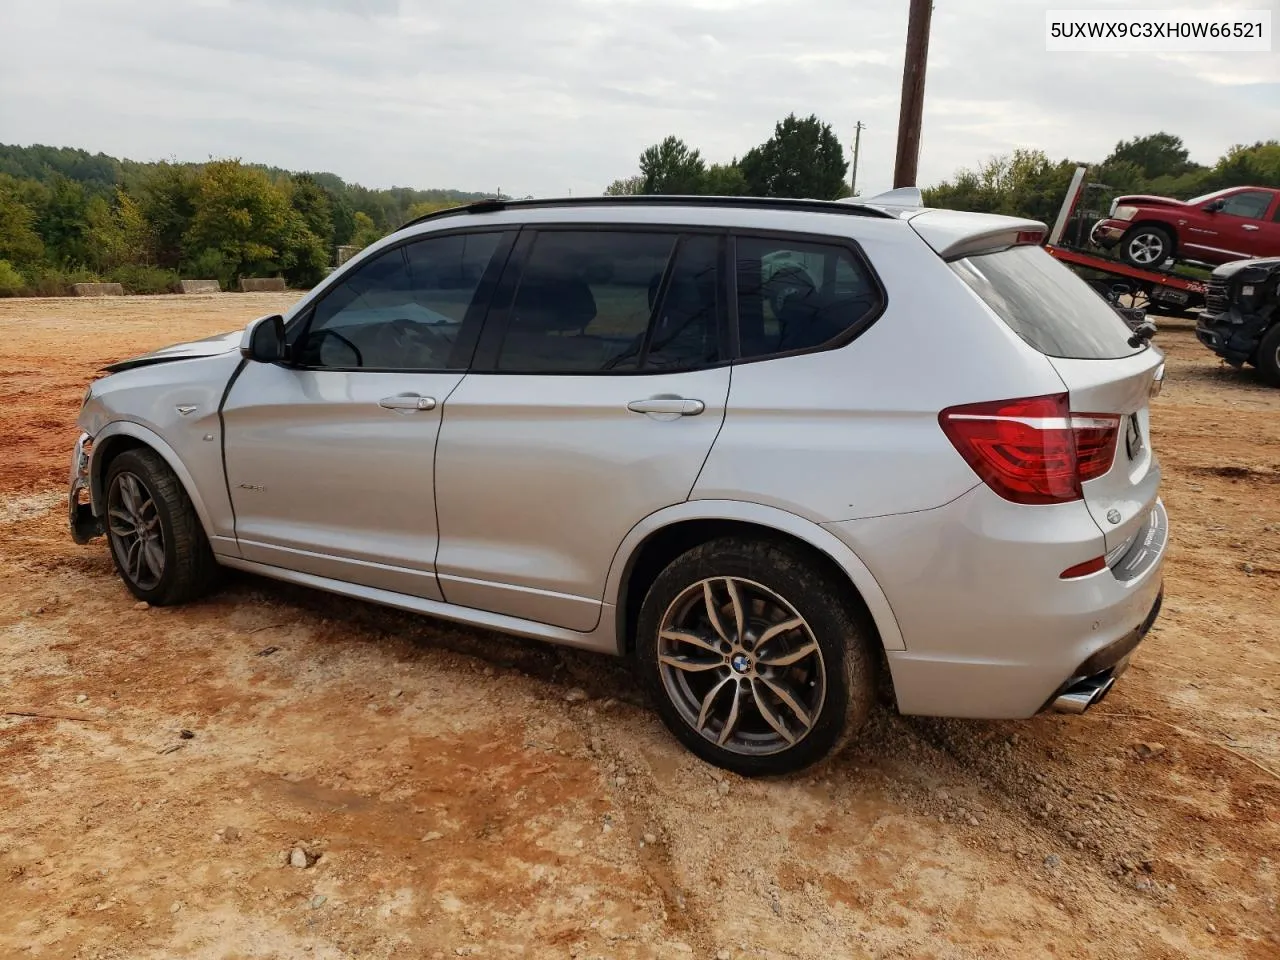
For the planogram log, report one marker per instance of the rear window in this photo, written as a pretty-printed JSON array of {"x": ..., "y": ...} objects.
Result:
[{"x": 1046, "y": 304}]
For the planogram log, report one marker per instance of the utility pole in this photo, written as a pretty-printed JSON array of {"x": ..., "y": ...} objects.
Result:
[
  {"x": 912, "y": 111},
  {"x": 857, "y": 142}
]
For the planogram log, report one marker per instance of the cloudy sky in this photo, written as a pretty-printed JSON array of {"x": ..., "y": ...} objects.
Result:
[{"x": 544, "y": 97}]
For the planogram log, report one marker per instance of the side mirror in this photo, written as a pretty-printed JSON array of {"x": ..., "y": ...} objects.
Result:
[
  {"x": 263, "y": 340},
  {"x": 1214, "y": 206}
]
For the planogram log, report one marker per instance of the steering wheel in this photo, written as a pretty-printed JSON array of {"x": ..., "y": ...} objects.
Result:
[{"x": 320, "y": 336}]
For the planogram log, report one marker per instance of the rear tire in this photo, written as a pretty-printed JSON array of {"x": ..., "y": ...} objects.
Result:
[
  {"x": 156, "y": 540},
  {"x": 766, "y": 698},
  {"x": 1146, "y": 246},
  {"x": 1268, "y": 361}
]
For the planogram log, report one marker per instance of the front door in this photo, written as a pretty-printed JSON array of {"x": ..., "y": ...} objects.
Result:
[
  {"x": 597, "y": 393},
  {"x": 330, "y": 457},
  {"x": 1239, "y": 228}
]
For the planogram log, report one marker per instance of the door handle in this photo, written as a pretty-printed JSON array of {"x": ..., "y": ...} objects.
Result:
[
  {"x": 672, "y": 406},
  {"x": 408, "y": 401},
  {"x": 1247, "y": 226}
]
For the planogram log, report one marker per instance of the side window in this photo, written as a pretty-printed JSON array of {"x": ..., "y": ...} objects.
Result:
[
  {"x": 1251, "y": 203},
  {"x": 794, "y": 295},
  {"x": 588, "y": 302},
  {"x": 402, "y": 310}
]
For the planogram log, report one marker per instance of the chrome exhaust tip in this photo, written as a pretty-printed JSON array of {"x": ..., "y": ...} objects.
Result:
[{"x": 1083, "y": 694}]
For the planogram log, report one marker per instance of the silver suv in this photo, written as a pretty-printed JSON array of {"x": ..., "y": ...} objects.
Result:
[{"x": 780, "y": 453}]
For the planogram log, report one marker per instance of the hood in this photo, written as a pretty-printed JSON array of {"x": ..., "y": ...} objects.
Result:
[
  {"x": 1261, "y": 268},
  {"x": 1146, "y": 200},
  {"x": 208, "y": 347}
]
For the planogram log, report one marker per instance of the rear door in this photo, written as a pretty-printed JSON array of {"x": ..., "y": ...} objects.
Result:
[
  {"x": 598, "y": 389},
  {"x": 1088, "y": 344}
]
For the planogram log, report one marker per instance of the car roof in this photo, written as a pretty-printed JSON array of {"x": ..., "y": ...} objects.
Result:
[{"x": 951, "y": 233}]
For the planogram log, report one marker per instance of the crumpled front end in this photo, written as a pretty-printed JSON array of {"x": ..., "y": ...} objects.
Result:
[{"x": 84, "y": 525}]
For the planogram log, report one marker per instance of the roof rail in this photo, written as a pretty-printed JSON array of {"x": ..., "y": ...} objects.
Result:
[{"x": 658, "y": 200}]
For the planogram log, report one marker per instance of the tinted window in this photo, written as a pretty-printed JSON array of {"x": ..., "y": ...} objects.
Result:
[
  {"x": 1046, "y": 304},
  {"x": 1251, "y": 203},
  {"x": 796, "y": 296},
  {"x": 402, "y": 310},
  {"x": 685, "y": 333},
  {"x": 588, "y": 302}
]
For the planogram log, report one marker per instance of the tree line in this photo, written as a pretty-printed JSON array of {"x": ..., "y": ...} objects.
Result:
[
  {"x": 803, "y": 158},
  {"x": 67, "y": 216},
  {"x": 1026, "y": 183}
]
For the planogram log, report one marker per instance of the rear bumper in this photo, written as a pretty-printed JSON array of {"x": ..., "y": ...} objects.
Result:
[
  {"x": 1107, "y": 233},
  {"x": 991, "y": 631}
]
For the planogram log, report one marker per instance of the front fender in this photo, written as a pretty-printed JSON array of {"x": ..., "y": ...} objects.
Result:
[
  {"x": 773, "y": 518},
  {"x": 109, "y": 437}
]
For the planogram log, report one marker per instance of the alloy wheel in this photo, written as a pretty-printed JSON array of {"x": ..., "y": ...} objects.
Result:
[
  {"x": 741, "y": 666},
  {"x": 1147, "y": 249},
  {"x": 137, "y": 537}
]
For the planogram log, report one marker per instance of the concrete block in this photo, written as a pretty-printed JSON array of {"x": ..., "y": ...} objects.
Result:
[
  {"x": 97, "y": 290},
  {"x": 199, "y": 286},
  {"x": 262, "y": 284}
]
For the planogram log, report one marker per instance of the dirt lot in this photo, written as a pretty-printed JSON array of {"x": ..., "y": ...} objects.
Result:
[{"x": 459, "y": 793}]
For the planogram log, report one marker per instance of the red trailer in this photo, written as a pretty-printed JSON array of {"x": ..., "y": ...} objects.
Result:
[{"x": 1157, "y": 291}]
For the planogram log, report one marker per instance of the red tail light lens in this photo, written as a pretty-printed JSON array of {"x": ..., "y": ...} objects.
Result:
[
  {"x": 1096, "y": 438},
  {"x": 1032, "y": 450}
]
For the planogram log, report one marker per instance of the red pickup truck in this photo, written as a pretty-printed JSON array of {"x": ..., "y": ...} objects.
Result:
[{"x": 1234, "y": 224}]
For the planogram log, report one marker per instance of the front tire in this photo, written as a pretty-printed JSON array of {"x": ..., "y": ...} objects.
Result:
[
  {"x": 1268, "y": 362},
  {"x": 156, "y": 540},
  {"x": 1146, "y": 246},
  {"x": 753, "y": 656}
]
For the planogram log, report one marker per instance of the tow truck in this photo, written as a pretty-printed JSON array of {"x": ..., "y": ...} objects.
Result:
[{"x": 1160, "y": 291}]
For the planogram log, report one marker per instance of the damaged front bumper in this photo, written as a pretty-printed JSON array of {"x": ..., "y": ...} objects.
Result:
[{"x": 84, "y": 525}]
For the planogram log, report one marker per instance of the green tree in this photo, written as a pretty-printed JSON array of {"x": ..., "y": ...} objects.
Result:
[
  {"x": 62, "y": 222},
  {"x": 625, "y": 186},
  {"x": 1241, "y": 166},
  {"x": 116, "y": 234},
  {"x": 20, "y": 245},
  {"x": 314, "y": 205},
  {"x": 724, "y": 180},
  {"x": 671, "y": 167},
  {"x": 1156, "y": 155},
  {"x": 365, "y": 232},
  {"x": 166, "y": 198},
  {"x": 803, "y": 158},
  {"x": 242, "y": 215}
]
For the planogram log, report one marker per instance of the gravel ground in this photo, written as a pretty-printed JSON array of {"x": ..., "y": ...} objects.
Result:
[{"x": 279, "y": 773}]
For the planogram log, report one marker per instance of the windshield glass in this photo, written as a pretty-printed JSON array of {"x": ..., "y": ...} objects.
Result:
[
  {"x": 1207, "y": 197},
  {"x": 1046, "y": 304}
]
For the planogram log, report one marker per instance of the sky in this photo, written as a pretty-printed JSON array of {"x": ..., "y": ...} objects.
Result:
[{"x": 551, "y": 97}]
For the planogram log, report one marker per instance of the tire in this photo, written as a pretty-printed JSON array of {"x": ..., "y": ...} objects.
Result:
[
  {"x": 1146, "y": 246},
  {"x": 824, "y": 663},
  {"x": 142, "y": 493},
  {"x": 1268, "y": 360}
]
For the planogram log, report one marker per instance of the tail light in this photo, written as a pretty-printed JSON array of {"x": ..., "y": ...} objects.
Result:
[{"x": 1033, "y": 450}]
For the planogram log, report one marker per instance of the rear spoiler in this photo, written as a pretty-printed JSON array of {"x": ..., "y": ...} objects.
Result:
[{"x": 954, "y": 234}]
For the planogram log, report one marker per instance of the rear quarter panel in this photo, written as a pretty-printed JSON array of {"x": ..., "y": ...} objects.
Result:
[{"x": 853, "y": 432}]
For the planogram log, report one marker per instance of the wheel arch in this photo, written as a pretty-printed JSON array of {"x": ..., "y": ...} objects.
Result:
[
  {"x": 122, "y": 435},
  {"x": 662, "y": 536}
]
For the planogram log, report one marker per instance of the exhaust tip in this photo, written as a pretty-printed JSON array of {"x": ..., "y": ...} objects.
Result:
[{"x": 1083, "y": 694}]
